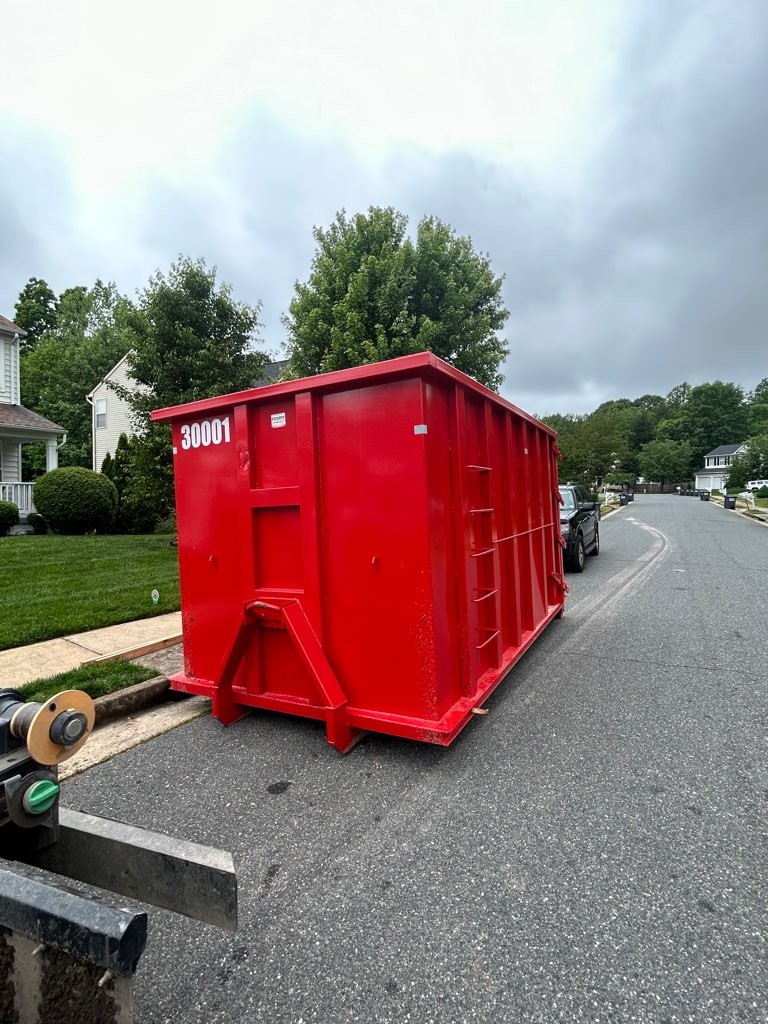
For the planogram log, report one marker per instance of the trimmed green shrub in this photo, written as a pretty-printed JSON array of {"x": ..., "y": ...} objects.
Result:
[
  {"x": 108, "y": 465},
  {"x": 75, "y": 500},
  {"x": 37, "y": 523},
  {"x": 762, "y": 493},
  {"x": 9, "y": 516},
  {"x": 167, "y": 524}
]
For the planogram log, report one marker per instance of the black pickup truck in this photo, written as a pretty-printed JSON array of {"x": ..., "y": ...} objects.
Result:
[{"x": 579, "y": 525}]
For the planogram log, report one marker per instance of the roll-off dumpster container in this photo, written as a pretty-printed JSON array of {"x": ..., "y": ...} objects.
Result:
[{"x": 374, "y": 547}]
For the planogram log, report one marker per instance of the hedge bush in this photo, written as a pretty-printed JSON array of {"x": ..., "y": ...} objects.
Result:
[
  {"x": 75, "y": 500},
  {"x": 9, "y": 516},
  {"x": 762, "y": 492}
]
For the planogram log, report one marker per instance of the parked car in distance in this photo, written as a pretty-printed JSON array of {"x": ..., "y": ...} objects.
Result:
[
  {"x": 579, "y": 525},
  {"x": 755, "y": 485}
]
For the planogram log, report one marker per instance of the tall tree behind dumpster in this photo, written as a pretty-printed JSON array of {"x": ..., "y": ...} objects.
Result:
[
  {"x": 35, "y": 312},
  {"x": 374, "y": 294},
  {"x": 191, "y": 340},
  {"x": 88, "y": 337}
]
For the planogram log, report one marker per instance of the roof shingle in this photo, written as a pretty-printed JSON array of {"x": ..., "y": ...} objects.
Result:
[
  {"x": 724, "y": 449},
  {"x": 19, "y": 418},
  {"x": 11, "y": 327}
]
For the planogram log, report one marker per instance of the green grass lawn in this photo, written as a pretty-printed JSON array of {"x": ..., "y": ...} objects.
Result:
[
  {"x": 51, "y": 586},
  {"x": 95, "y": 680}
]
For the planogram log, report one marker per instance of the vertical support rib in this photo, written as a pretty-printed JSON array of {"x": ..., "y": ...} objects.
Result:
[
  {"x": 462, "y": 539},
  {"x": 309, "y": 509},
  {"x": 525, "y": 549},
  {"x": 492, "y": 459},
  {"x": 512, "y": 553}
]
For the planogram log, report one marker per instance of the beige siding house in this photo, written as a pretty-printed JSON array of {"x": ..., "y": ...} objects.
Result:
[
  {"x": 110, "y": 413},
  {"x": 19, "y": 426}
]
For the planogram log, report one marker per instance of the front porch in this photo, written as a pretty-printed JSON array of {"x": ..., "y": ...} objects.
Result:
[
  {"x": 12, "y": 439},
  {"x": 20, "y": 493}
]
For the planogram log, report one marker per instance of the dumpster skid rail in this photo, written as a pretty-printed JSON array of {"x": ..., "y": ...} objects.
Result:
[
  {"x": 374, "y": 548},
  {"x": 65, "y": 954}
]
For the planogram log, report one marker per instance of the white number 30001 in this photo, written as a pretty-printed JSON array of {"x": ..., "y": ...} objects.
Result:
[{"x": 205, "y": 433}]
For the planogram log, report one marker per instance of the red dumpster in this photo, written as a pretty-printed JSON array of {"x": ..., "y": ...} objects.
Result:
[{"x": 374, "y": 548}]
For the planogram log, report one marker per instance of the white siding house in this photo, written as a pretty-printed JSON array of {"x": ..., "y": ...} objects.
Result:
[
  {"x": 19, "y": 426},
  {"x": 110, "y": 413},
  {"x": 716, "y": 463}
]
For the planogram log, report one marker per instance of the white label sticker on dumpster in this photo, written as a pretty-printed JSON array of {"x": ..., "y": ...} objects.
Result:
[{"x": 278, "y": 419}]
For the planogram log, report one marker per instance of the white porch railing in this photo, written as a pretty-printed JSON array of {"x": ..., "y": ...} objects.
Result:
[{"x": 19, "y": 493}]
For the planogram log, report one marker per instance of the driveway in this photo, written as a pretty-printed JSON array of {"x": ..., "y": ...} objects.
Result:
[{"x": 594, "y": 849}]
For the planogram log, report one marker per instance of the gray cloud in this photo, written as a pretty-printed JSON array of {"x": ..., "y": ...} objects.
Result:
[
  {"x": 35, "y": 208},
  {"x": 649, "y": 268}
]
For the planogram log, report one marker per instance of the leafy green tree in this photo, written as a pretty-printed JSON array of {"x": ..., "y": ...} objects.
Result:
[
  {"x": 677, "y": 398},
  {"x": 35, "y": 312},
  {"x": 374, "y": 294},
  {"x": 651, "y": 409},
  {"x": 665, "y": 462},
  {"x": 91, "y": 335},
  {"x": 591, "y": 452},
  {"x": 190, "y": 340},
  {"x": 758, "y": 409},
  {"x": 752, "y": 465},
  {"x": 566, "y": 424},
  {"x": 108, "y": 465},
  {"x": 709, "y": 415}
]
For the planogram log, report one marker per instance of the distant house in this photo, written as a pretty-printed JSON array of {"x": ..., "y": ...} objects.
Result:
[
  {"x": 716, "y": 463},
  {"x": 20, "y": 426},
  {"x": 272, "y": 373},
  {"x": 110, "y": 412}
]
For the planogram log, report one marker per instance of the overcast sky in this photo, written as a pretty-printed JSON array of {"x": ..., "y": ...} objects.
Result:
[{"x": 611, "y": 157}]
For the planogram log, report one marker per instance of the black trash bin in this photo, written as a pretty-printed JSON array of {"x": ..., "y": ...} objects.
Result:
[
  {"x": 630, "y": 495},
  {"x": 623, "y": 499},
  {"x": 730, "y": 501},
  {"x": 704, "y": 495}
]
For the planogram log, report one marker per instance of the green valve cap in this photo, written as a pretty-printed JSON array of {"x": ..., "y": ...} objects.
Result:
[{"x": 40, "y": 797}]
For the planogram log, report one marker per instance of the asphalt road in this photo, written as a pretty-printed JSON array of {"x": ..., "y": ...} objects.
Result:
[{"x": 594, "y": 849}]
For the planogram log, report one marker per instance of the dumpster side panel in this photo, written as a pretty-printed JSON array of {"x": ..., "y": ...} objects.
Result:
[
  {"x": 444, "y": 512},
  {"x": 505, "y": 533},
  {"x": 376, "y": 557},
  {"x": 276, "y": 504},
  {"x": 207, "y": 504}
]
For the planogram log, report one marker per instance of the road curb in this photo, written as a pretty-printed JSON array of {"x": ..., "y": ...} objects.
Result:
[
  {"x": 742, "y": 513},
  {"x": 134, "y": 698}
]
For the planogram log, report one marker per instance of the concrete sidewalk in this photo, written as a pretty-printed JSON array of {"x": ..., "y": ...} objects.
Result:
[{"x": 23, "y": 664}]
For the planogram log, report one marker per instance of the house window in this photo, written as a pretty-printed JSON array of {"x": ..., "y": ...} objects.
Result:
[{"x": 101, "y": 412}]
